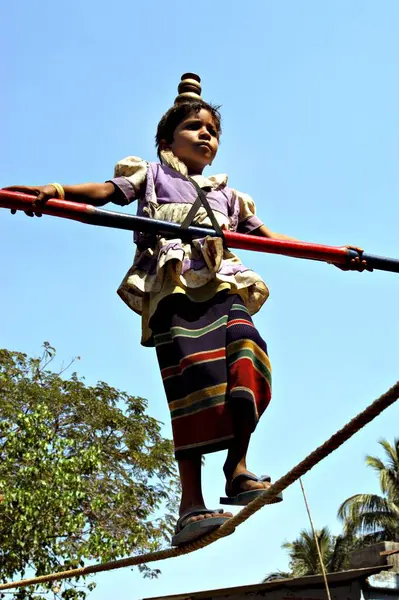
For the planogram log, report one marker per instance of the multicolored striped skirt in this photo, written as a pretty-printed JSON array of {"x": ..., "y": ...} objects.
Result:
[{"x": 215, "y": 370}]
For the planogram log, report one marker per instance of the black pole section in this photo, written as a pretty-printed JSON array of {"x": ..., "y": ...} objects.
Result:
[
  {"x": 108, "y": 218},
  {"x": 381, "y": 263}
]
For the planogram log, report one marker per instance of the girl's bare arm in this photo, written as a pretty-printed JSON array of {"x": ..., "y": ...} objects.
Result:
[
  {"x": 97, "y": 194},
  {"x": 356, "y": 264},
  {"x": 264, "y": 231}
]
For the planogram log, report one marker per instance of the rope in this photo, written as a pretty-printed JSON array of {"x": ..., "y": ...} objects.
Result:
[
  {"x": 323, "y": 568},
  {"x": 335, "y": 441}
]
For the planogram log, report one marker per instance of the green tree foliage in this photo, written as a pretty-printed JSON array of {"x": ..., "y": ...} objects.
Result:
[
  {"x": 304, "y": 558},
  {"x": 84, "y": 475},
  {"x": 374, "y": 517}
]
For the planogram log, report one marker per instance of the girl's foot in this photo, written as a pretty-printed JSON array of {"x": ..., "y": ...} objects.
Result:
[
  {"x": 200, "y": 513},
  {"x": 197, "y": 523},
  {"x": 245, "y": 481},
  {"x": 244, "y": 487}
]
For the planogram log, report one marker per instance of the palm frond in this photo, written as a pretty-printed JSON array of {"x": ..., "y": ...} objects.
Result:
[
  {"x": 361, "y": 503},
  {"x": 392, "y": 452},
  {"x": 368, "y": 513},
  {"x": 389, "y": 482},
  {"x": 277, "y": 575},
  {"x": 374, "y": 521},
  {"x": 304, "y": 558},
  {"x": 375, "y": 463}
]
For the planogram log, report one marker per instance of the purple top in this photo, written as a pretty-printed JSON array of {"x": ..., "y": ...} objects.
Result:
[{"x": 164, "y": 185}]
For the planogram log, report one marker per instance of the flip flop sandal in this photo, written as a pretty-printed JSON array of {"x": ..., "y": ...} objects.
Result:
[
  {"x": 237, "y": 498},
  {"x": 192, "y": 531}
]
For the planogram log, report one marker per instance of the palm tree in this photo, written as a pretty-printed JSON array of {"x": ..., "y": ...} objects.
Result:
[
  {"x": 376, "y": 518},
  {"x": 304, "y": 558}
]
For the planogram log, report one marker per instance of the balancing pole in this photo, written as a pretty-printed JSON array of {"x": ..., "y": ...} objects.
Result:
[{"x": 86, "y": 213}]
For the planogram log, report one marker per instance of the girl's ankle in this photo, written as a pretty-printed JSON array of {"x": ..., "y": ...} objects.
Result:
[{"x": 187, "y": 508}]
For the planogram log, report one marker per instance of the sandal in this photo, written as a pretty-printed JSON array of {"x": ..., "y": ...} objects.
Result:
[
  {"x": 188, "y": 532},
  {"x": 237, "y": 498}
]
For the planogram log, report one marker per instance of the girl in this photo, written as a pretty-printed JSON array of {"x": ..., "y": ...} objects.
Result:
[{"x": 195, "y": 300}]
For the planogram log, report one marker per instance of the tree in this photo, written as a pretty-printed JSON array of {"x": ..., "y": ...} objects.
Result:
[
  {"x": 84, "y": 474},
  {"x": 304, "y": 558},
  {"x": 374, "y": 517}
]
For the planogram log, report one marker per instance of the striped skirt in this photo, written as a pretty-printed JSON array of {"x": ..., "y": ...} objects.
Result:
[{"x": 215, "y": 370}]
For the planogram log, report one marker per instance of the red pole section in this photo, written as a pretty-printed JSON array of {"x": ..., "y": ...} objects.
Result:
[
  {"x": 335, "y": 254},
  {"x": 55, "y": 208}
]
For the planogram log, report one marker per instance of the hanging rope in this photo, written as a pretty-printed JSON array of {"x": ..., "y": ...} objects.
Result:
[
  {"x": 323, "y": 568},
  {"x": 335, "y": 441}
]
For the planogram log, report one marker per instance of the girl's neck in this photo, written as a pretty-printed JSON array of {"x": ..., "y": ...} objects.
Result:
[
  {"x": 168, "y": 158},
  {"x": 193, "y": 171}
]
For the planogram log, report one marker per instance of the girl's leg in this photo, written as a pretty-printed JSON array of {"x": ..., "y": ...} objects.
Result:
[
  {"x": 249, "y": 378},
  {"x": 236, "y": 461},
  {"x": 192, "y": 499},
  {"x": 190, "y": 478}
]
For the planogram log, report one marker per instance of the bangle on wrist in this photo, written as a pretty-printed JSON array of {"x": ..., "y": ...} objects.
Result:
[{"x": 60, "y": 192}]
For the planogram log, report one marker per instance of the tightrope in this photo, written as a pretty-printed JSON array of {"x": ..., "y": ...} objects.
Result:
[{"x": 334, "y": 442}]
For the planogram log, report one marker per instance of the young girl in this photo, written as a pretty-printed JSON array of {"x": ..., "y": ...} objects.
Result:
[{"x": 195, "y": 299}]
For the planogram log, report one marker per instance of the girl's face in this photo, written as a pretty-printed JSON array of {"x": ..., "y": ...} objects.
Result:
[{"x": 195, "y": 141}]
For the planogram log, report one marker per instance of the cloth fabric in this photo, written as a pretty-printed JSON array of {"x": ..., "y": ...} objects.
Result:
[
  {"x": 199, "y": 269},
  {"x": 215, "y": 370}
]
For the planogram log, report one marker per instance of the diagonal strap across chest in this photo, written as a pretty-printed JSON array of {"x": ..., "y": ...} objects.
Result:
[{"x": 201, "y": 200}]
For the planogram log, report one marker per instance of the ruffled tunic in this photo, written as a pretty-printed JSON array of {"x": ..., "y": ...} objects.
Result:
[{"x": 199, "y": 269}]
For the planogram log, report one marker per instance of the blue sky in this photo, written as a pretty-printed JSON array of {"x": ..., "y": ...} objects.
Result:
[{"x": 309, "y": 93}]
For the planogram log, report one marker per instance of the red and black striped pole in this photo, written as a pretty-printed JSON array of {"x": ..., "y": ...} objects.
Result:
[{"x": 86, "y": 213}]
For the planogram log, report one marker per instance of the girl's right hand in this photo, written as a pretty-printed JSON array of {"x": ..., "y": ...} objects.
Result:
[{"x": 40, "y": 193}]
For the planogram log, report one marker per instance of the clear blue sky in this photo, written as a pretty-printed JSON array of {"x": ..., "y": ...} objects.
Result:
[{"x": 310, "y": 96}]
